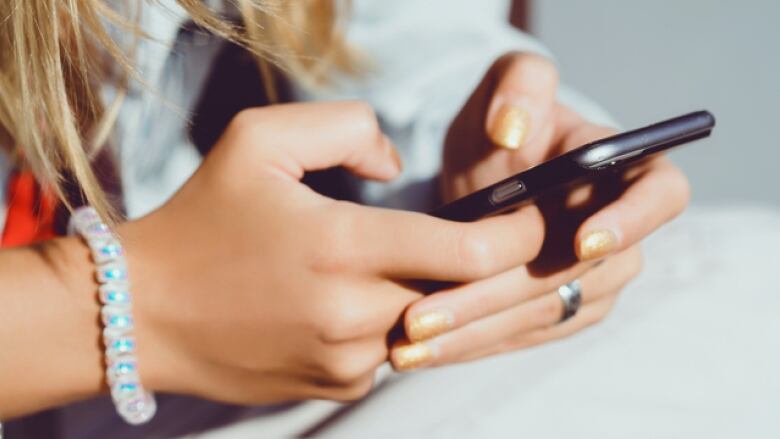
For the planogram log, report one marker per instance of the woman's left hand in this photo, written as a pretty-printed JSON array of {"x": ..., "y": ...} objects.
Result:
[{"x": 511, "y": 122}]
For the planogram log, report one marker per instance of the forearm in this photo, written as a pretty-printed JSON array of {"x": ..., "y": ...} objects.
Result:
[{"x": 50, "y": 349}]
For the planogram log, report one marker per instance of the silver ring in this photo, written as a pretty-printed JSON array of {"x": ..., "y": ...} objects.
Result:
[{"x": 571, "y": 296}]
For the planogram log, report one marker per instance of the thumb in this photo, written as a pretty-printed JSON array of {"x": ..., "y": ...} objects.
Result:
[
  {"x": 313, "y": 136},
  {"x": 525, "y": 93}
]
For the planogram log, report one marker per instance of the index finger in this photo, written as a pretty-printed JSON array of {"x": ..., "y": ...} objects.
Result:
[{"x": 408, "y": 245}]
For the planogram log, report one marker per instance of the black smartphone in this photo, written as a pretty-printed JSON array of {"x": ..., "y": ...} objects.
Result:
[{"x": 585, "y": 163}]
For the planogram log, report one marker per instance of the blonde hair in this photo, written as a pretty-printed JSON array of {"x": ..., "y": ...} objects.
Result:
[{"x": 54, "y": 54}]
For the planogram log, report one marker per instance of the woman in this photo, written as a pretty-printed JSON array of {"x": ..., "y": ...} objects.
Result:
[{"x": 249, "y": 288}]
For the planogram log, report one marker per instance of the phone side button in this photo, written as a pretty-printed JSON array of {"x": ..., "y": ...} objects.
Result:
[{"x": 506, "y": 191}]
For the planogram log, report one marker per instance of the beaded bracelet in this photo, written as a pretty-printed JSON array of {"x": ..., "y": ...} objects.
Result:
[{"x": 133, "y": 403}]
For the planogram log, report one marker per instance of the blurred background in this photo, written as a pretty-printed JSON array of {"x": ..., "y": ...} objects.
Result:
[{"x": 645, "y": 61}]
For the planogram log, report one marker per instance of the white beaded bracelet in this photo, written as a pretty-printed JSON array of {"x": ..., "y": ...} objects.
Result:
[{"x": 133, "y": 403}]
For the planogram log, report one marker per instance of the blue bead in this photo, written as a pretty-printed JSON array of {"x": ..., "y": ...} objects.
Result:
[
  {"x": 115, "y": 274},
  {"x": 97, "y": 228},
  {"x": 119, "y": 321},
  {"x": 128, "y": 387},
  {"x": 124, "y": 345},
  {"x": 125, "y": 367},
  {"x": 111, "y": 250},
  {"x": 117, "y": 296}
]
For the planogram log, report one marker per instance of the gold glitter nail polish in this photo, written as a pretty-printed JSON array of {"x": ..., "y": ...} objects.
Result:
[
  {"x": 510, "y": 127},
  {"x": 596, "y": 245},
  {"x": 430, "y": 324},
  {"x": 412, "y": 356}
]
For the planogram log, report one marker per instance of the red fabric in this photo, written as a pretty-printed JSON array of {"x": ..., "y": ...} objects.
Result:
[{"x": 30, "y": 215}]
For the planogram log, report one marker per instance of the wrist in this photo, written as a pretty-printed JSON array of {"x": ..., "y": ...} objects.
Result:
[
  {"x": 69, "y": 261},
  {"x": 148, "y": 269},
  {"x": 50, "y": 325}
]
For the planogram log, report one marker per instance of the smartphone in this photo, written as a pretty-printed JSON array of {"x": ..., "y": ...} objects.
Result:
[{"x": 583, "y": 164}]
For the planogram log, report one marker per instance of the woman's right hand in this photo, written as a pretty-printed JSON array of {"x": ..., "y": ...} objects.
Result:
[{"x": 252, "y": 288}]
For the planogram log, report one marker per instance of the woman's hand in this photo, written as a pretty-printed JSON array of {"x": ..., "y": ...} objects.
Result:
[
  {"x": 252, "y": 288},
  {"x": 512, "y": 122}
]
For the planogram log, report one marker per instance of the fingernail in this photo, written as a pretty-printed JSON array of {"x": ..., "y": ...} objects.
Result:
[
  {"x": 430, "y": 324},
  {"x": 510, "y": 126},
  {"x": 413, "y": 356},
  {"x": 396, "y": 158},
  {"x": 394, "y": 164},
  {"x": 596, "y": 245}
]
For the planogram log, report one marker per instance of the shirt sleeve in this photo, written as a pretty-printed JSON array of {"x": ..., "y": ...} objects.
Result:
[{"x": 426, "y": 59}]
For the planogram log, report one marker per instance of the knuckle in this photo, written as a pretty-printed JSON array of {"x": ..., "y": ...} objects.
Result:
[
  {"x": 550, "y": 311},
  {"x": 535, "y": 231},
  {"x": 506, "y": 61},
  {"x": 609, "y": 305},
  {"x": 592, "y": 319},
  {"x": 682, "y": 189},
  {"x": 366, "y": 119},
  {"x": 243, "y": 133},
  {"x": 246, "y": 120},
  {"x": 677, "y": 185},
  {"x": 543, "y": 71},
  {"x": 346, "y": 325},
  {"x": 356, "y": 391},
  {"x": 249, "y": 127},
  {"x": 349, "y": 367},
  {"x": 632, "y": 262},
  {"x": 637, "y": 261},
  {"x": 326, "y": 325},
  {"x": 475, "y": 254},
  {"x": 540, "y": 64},
  {"x": 601, "y": 312},
  {"x": 344, "y": 373},
  {"x": 344, "y": 321}
]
